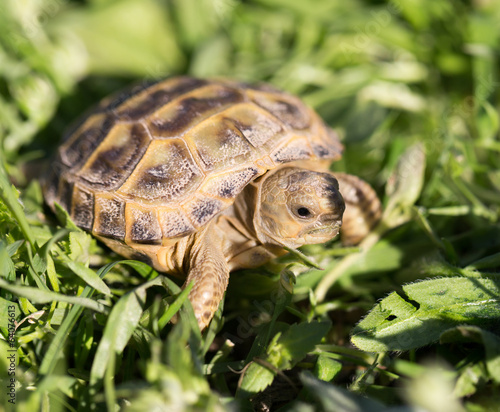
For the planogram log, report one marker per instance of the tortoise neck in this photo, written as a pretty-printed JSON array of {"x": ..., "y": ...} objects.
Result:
[{"x": 244, "y": 209}]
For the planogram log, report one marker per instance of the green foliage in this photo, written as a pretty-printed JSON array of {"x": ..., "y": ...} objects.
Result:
[
  {"x": 411, "y": 86},
  {"x": 283, "y": 352},
  {"x": 427, "y": 310}
]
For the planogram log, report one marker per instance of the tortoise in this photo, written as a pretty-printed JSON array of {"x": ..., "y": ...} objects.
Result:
[{"x": 200, "y": 177}]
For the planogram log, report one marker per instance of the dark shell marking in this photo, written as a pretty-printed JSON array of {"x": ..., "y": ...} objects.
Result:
[
  {"x": 109, "y": 220},
  {"x": 144, "y": 226},
  {"x": 161, "y": 160},
  {"x": 118, "y": 154},
  {"x": 82, "y": 209},
  {"x": 143, "y": 101},
  {"x": 85, "y": 140},
  {"x": 166, "y": 175}
]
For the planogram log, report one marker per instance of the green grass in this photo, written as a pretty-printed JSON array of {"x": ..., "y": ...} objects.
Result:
[{"x": 411, "y": 318}]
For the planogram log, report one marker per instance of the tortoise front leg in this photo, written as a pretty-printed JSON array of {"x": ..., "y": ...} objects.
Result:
[
  {"x": 363, "y": 209},
  {"x": 209, "y": 271}
]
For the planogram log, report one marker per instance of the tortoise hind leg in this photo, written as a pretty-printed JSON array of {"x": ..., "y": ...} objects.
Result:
[
  {"x": 363, "y": 208},
  {"x": 209, "y": 271}
]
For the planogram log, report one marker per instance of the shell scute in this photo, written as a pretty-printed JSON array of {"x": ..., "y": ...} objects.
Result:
[
  {"x": 286, "y": 108},
  {"x": 109, "y": 220},
  {"x": 325, "y": 144},
  {"x": 255, "y": 124},
  {"x": 297, "y": 148},
  {"x": 175, "y": 118},
  {"x": 117, "y": 156},
  {"x": 166, "y": 174},
  {"x": 226, "y": 147},
  {"x": 174, "y": 223},
  {"x": 228, "y": 185},
  {"x": 161, "y": 160},
  {"x": 65, "y": 193},
  {"x": 202, "y": 209},
  {"x": 142, "y": 101},
  {"x": 84, "y": 141},
  {"x": 82, "y": 208},
  {"x": 143, "y": 225}
]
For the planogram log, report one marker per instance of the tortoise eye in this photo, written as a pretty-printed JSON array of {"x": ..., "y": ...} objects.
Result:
[{"x": 303, "y": 212}]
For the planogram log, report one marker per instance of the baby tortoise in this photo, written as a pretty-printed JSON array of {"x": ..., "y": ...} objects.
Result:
[{"x": 200, "y": 177}]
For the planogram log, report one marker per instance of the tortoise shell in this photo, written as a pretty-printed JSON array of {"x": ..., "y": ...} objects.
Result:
[{"x": 160, "y": 161}]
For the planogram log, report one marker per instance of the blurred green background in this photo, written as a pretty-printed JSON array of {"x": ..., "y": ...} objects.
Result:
[{"x": 411, "y": 66}]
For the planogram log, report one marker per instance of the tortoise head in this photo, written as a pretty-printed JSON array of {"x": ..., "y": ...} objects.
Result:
[{"x": 297, "y": 207}]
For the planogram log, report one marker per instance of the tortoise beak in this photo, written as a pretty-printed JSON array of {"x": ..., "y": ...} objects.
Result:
[{"x": 323, "y": 233}]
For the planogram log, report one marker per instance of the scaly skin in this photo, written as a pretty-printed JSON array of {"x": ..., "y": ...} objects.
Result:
[
  {"x": 255, "y": 229},
  {"x": 363, "y": 208},
  {"x": 232, "y": 242},
  {"x": 209, "y": 272}
]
